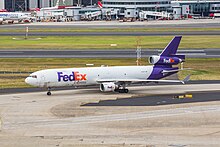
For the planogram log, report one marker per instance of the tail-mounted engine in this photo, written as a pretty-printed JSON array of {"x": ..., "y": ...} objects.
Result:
[{"x": 164, "y": 60}]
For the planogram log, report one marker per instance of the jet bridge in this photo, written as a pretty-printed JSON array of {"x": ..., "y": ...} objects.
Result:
[
  {"x": 143, "y": 15},
  {"x": 92, "y": 15}
]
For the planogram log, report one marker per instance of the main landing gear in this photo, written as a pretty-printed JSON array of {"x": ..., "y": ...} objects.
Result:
[
  {"x": 122, "y": 90},
  {"x": 49, "y": 92}
]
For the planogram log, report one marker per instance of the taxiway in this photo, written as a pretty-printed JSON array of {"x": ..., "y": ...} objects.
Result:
[
  {"x": 34, "y": 119},
  {"x": 119, "y": 53},
  {"x": 190, "y": 23},
  {"x": 182, "y": 33}
]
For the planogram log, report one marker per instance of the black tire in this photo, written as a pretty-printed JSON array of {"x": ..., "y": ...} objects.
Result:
[
  {"x": 116, "y": 90},
  {"x": 48, "y": 93},
  {"x": 121, "y": 91}
]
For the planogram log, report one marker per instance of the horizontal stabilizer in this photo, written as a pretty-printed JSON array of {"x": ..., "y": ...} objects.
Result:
[{"x": 175, "y": 70}]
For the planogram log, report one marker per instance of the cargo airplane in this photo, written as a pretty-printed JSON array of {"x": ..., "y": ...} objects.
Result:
[{"x": 116, "y": 78}]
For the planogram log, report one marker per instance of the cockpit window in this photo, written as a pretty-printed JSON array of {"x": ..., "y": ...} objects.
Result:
[{"x": 33, "y": 76}]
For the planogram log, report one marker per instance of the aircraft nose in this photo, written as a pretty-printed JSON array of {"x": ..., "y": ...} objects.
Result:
[
  {"x": 31, "y": 81},
  {"x": 27, "y": 80}
]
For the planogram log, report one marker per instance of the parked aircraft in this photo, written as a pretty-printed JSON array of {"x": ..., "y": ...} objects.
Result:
[
  {"x": 116, "y": 78},
  {"x": 12, "y": 16}
]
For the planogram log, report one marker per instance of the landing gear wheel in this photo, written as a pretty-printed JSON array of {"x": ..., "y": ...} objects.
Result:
[
  {"x": 123, "y": 90},
  {"x": 48, "y": 93},
  {"x": 120, "y": 90}
]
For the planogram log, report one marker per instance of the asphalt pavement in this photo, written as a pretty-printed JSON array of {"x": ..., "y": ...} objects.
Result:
[
  {"x": 157, "y": 100},
  {"x": 119, "y": 53},
  {"x": 27, "y": 90},
  {"x": 182, "y": 33},
  {"x": 148, "y": 100},
  {"x": 190, "y": 23}
]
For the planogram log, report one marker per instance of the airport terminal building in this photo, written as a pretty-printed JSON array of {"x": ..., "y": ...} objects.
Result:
[
  {"x": 2, "y": 5},
  {"x": 125, "y": 8},
  {"x": 24, "y": 5},
  {"x": 132, "y": 7},
  {"x": 202, "y": 8}
]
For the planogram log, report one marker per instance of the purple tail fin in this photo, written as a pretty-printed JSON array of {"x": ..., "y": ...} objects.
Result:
[{"x": 172, "y": 47}]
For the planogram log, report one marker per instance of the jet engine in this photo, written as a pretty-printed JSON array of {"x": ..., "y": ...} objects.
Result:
[
  {"x": 163, "y": 60},
  {"x": 108, "y": 87}
]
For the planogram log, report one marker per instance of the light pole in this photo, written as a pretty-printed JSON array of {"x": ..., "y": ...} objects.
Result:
[
  {"x": 138, "y": 51},
  {"x": 26, "y": 33},
  {"x": 25, "y": 3},
  {"x": 13, "y": 5}
]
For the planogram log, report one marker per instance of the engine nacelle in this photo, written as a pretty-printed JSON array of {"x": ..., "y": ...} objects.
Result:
[
  {"x": 163, "y": 60},
  {"x": 108, "y": 87}
]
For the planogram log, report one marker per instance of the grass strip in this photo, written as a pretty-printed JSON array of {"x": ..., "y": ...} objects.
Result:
[
  {"x": 202, "y": 69},
  {"x": 104, "y": 42}
]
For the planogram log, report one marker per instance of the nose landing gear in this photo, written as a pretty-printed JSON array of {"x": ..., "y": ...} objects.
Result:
[{"x": 49, "y": 91}]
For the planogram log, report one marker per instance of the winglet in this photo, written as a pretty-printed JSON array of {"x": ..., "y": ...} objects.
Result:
[
  {"x": 172, "y": 47},
  {"x": 186, "y": 79}
]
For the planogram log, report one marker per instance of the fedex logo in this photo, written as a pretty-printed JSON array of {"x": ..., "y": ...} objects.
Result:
[
  {"x": 74, "y": 76},
  {"x": 168, "y": 60}
]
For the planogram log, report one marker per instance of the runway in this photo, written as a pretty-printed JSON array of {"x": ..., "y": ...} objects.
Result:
[
  {"x": 34, "y": 119},
  {"x": 189, "y": 33},
  {"x": 119, "y": 53},
  {"x": 191, "y": 23}
]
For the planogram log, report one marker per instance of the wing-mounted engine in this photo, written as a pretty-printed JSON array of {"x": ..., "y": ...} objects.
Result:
[
  {"x": 166, "y": 60},
  {"x": 108, "y": 87}
]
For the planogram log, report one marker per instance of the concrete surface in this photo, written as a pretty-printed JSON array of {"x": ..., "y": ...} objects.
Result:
[
  {"x": 34, "y": 119},
  {"x": 190, "y": 23}
]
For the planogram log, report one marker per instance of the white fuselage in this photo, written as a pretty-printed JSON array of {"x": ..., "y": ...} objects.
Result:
[
  {"x": 113, "y": 79},
  {"x": 86, "y": 76},
  {"x": 12, "y": 16}
]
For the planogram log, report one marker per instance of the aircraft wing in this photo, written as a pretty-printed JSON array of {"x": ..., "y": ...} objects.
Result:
[{"x": 144, "y": 80}]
